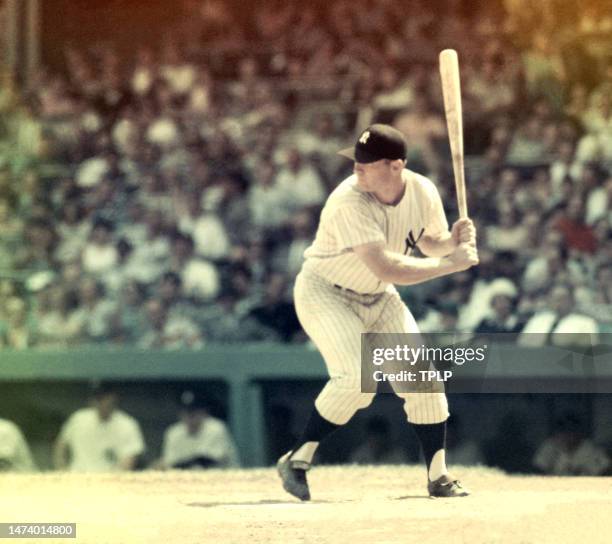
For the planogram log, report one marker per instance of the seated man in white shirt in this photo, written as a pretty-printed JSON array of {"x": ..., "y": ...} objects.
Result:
[
  {"x": 561, "y": 325},
  {"x": 100, "y": 438},
  {"x": 15, "y": 454},
  {"x": 198, "y": 440}
]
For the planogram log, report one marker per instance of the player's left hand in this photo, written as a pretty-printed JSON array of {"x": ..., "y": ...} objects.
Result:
[{"x": 464, "y": 232}]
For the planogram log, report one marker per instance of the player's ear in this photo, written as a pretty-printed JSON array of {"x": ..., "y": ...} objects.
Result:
[{"x": 398, "y": 165}]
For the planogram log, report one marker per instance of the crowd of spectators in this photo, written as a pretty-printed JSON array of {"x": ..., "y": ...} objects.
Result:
[{"x": 164, "y": 200}]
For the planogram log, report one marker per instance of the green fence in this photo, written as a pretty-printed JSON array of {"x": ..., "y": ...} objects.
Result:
[{"x": 245, "y": 369}]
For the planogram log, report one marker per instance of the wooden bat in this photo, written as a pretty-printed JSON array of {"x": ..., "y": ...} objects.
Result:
[{"x": 451, "y": 90}]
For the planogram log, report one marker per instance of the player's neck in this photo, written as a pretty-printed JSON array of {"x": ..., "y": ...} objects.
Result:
[{"x": 391, "y": 192}]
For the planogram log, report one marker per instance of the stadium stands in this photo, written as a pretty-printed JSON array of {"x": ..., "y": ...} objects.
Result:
[{"x": 164, "y": 199}]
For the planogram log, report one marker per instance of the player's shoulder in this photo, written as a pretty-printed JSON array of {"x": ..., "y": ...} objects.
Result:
[
  {"x": 216, "y": 425},
  {"x": 123, "y": 418},
  {"x": 348, "y": 194},
  {"x": 420, "y": 182},
  {"x": 83, "y": 414},
  {"x": 8, "y": 427},
  {"x": 175, "y": 430}
]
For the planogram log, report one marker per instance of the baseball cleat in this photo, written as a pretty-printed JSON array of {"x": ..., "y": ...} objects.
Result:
[
  {"x": 445, "y": 486},
  {"x": 293, "y": 475}
]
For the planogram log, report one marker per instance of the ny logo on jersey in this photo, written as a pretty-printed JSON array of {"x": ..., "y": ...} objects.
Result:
[
  {"x": 411, "y": 243},
  {"x": 364, "y": 137}
]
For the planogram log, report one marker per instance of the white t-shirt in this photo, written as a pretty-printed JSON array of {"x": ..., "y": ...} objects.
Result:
[
  {"x": 564, "y": 332},
  {"x": 212, "y": 440},
  {"x": 14, "y": 452},
  {"x": 99, "y": 446},
  {"x": 301, "y": 188},
  {"x": 353, "y": 217}
]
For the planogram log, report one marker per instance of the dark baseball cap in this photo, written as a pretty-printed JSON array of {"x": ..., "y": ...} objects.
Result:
[
  {"x": 191, "y": 401},
  {"x": 375, "y": 143},
  {"x": 98, "y": 389}
]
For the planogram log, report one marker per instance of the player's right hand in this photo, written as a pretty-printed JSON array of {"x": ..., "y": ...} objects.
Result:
[{"x": 464, "y": 256}]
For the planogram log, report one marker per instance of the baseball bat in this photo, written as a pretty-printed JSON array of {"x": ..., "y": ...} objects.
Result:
[{"x": 451, "y": 90}]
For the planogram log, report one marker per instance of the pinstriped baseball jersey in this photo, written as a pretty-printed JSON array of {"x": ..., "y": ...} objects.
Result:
[{"x": 353, "y": 217}]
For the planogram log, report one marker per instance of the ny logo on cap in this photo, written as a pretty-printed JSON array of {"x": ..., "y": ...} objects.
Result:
[{"x": 364, "y": 137}]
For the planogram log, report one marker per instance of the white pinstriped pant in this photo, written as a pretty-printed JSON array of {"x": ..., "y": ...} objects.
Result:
[{"x": 334, "y": 319}]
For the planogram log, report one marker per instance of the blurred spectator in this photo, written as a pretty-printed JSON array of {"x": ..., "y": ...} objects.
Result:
[
  {"x": 100, "y": 438},
  {"x": 199, "y": 277},
  {"x": 486, "y": 286},
  {"x": 300, "y": 182},
  {"x": 166, "y": 330},
  {"x": 424, "y": 126},
  {"x": 40, "y": 241},
  {"x": 576, "y": 233},
  {"x": 95, "y": 311},
  {"x": 210, "y": 236},
  {"x": 267, "y": 199},
  {"x": 509, "y": 234},
  {"x": 598, "y": 193},
  {"x": 561, "y": 325},
  {"x": 128, "y": 323},
  {"x": 275, "y": 311},
  {"x": 100, "y": 254},
  {"x": 542, "y": 270},
  {"x": 527, "y": 147},
  {"x": 15, "y": 454},
  {"x": 564, "y": 166},
  {"x": 10, "y": 225},
  {"x": 490, "y": 87},
  {"x": 378, "y": 447},
  {"x": 441, "y": 317},
  {"x": 73, "y": 232},
  {"x": 17, "y": 331},
  {"x": 303, "y": 228},
  {"x": 228, "y": 321},
  {"x": 150, "y": 255},
  {"x": 504, "y": 320},
  {"x": 601, "y": 308},
  {"x": 198, "y": 440},
  {"x": 59, "y": 324},
  {"x": 568, "y": 452}
]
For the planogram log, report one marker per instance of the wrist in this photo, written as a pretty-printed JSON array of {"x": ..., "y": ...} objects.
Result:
[{"x": 448, "y": 264}]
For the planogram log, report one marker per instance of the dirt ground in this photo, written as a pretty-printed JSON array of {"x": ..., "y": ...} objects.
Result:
[{"x": 355, "y": 505}]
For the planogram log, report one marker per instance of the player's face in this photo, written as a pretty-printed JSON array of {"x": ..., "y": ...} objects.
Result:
[
  {"x": 105, "y": 405},
  {"x": 193, "y": 420},
  {"x": 371, "y": 175}
]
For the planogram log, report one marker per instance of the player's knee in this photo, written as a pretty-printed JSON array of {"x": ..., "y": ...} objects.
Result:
[
  {"x": 364, "y": 400},
  {"x": 424, "y": 408}
]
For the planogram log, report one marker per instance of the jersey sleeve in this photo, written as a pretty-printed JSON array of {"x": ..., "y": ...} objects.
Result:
[
  {"x": 132, "y": 442},
  {"x": 353, "y": 226},
  {"x": 169, "y": 455},
  {"x": 435, "y": 222},
  {"x": 23, "y": 456},
  {"x": 67, "y": 430}
]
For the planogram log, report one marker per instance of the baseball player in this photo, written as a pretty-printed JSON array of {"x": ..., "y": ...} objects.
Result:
[{"x": 368, "y": 228}]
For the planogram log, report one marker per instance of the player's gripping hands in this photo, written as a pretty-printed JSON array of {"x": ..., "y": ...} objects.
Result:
[
  {"x": 464, "y": 232},
  {"x": 463, "y": 257},
  {"x": 465, "y": 254}
]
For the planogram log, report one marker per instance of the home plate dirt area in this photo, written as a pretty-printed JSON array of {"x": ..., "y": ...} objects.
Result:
[{"x": 355, "y": 505}]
